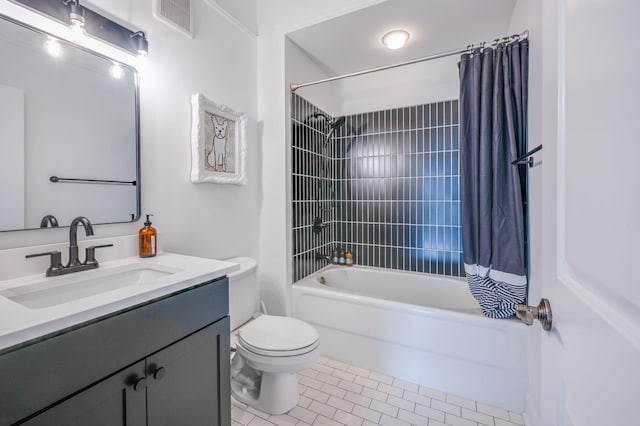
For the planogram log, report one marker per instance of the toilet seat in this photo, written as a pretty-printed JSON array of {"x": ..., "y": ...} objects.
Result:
[{"x": 278, "y": 336}]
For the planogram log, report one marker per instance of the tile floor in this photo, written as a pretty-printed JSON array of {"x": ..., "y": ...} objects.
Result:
[{"x": 334, "y": 393}]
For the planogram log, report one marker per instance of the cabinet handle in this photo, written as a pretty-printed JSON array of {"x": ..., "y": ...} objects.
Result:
[
  {"x": 140, "y": 384},
  {"x": 159, "y": 373}
]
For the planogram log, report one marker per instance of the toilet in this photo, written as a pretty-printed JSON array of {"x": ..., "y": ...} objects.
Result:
[{"x": 270, "y": 349}]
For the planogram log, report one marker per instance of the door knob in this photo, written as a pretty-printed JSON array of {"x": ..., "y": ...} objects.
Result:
[
  {"x": 140, "y": 384},
  {"x": 542, "y": 312},
  {"x": 159, "y": 373}
]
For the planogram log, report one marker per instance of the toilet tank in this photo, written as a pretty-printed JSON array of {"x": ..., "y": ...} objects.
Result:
[{"x": 243, "y": 291}]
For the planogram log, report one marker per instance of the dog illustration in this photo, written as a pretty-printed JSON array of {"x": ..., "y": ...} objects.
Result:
[{"x": 218, "y": 155}]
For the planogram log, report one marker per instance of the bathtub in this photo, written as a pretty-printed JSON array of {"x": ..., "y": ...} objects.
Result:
[{"x": 421, "y": 328}]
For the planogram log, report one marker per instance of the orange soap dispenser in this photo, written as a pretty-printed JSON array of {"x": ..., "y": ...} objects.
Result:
[{"x": 147, "y": 240}]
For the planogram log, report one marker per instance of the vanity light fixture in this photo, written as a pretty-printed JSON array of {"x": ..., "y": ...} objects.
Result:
[
  {"x": 53, "y": 47},
  {"x": 395, "y": 39},
  {"x": 142, "y": 43},
  {"x": 76, "y": 16},
  {"x": 85, "y": 22},
  {"x": 117, "y": 71}
]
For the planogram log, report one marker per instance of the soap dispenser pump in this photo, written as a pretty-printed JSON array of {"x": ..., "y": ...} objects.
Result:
[{"x": 147, "y": 239}]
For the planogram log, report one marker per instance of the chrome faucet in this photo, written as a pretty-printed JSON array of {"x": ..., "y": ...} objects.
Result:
[
  {"x": 74, "y": 265},
  {"x": 49, "y": 220}
]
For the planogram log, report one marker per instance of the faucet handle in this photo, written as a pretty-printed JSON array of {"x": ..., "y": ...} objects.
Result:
[
  {"x": 90, "y": 254},
  {"x": 56, "y": 262}
]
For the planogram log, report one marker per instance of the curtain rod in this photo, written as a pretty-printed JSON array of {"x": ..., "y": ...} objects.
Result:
[{"x": 522, "y": 35}]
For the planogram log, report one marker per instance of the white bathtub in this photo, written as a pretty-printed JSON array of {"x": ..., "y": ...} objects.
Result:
[{"x": 422, "y": 328}]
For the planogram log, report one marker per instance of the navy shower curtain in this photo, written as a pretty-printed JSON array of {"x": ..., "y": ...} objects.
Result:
[{"x": 493, "y": 133}]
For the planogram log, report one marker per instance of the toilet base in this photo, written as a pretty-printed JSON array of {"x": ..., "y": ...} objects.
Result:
[{"x": 278, "y": 393}]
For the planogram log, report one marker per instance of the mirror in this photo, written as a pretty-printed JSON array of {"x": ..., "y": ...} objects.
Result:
[{"x": 69, "y": 133}]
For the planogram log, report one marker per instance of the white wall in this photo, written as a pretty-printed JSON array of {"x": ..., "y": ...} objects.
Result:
[
  {"x": 275, "y": 19},
  {"x": 527, "y": 15},
  {"x": 207, "y": 220},
  {"x": 418, "y": 84}
]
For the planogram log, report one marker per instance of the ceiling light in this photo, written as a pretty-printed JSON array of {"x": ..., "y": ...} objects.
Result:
[
  {"x": 53, "y": 47},
  {"x": 117, "y": 71},
  {"x": 395, "y": 39}
]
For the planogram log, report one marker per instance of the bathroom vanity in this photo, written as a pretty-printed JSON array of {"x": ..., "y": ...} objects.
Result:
[{"x": 154, "y": 352}]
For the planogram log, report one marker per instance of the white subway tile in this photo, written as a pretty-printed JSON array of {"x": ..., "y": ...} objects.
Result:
[
  {"x": 304, "y": 401},
  {"x": 429, "y": 412},
  {"x": 381, "y": 378},
  {"x": 413, "y": 418},
  {"x": 309, "y": 382},
  {"x": 400, "y": 403},
  {"x": 333, "y": 390},
  {"x": 340, "y": 404},
  {"x": 328, "y": 379},
  {"x": 481, "y": 418},
  {"x": 417, "y": 398},
  {"x": 241, "y": 415},
  {"x": 493, "y": 411},
  {"x": 374, "y": 394},
  {"x": 343, "y": 375},
  {"x": 402, "y": 384},
  {"x": 323, "y": 409},
  {"x": 258, "y": 421},
  {"x": 500, "y": 422},
  {"x": 462, "y": 402},
  {"x": 432, "y": 393},
  {"x": 323, "y": 369},
  {"x": 446, "y": 407},
  {"x": 358, "y": 371},
  {"x": 391, "y": 390},
  {"x": 283, "y": 420},
  {"x": 392, "y": 421},
  {"x": 366, "y": 413},
  {"x": 352, "y": 387},
  {"x": 337, "y": 364},
  {"x": 308, "y": 373},
  {"x": 323, "y": 421},
  {"x": 366, "y": 382},
  {"x": 303, "y": 414},
  {"x": 385, "y": 408},
  {"x": 458, "y": 421},
  {"x": 357, "y": 399},
  {"x": 347, "y": 419},
  {"x": 317, "y": 395}
]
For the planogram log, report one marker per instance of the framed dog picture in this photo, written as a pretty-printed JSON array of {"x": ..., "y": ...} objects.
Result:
[{"x": 218, "y": 142}]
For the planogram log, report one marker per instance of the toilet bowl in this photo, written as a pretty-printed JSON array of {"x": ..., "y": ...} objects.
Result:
[{"x": 270, "y": 349}]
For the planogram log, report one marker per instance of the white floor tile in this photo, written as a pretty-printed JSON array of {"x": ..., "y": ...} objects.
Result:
[{"x": 333, "y": 393}]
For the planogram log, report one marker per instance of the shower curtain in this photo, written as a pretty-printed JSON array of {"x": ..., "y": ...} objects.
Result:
[{"x": 493, "y": 133}]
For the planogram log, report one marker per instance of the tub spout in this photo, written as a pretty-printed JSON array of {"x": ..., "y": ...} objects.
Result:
[{"x": 321, "y": 256}]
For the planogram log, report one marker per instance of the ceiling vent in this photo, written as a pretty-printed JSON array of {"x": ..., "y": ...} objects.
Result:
[{"x": 176, "y": 14}]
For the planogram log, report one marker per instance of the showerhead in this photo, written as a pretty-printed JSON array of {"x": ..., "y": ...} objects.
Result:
[{"x": 334, "y": 123}]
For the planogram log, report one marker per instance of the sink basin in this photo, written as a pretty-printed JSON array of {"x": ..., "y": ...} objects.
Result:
[{"x": 48, "y": 292}]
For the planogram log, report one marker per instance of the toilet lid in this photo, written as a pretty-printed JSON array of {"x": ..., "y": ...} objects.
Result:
[{"x": 274, "y": 333}]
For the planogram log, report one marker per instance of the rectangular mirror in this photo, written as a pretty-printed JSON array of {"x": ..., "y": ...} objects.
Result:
[{"x": 69, "y": 132}]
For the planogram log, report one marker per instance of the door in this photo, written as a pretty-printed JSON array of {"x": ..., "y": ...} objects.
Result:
[
  {"x": 117, "y": 400},
  {"x": 591, "y": 219},
  {"x": 189, "y": 381}
]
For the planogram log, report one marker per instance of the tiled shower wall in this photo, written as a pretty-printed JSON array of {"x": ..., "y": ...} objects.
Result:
[
  {"x": 389, "y": 191},
  {"x": 312, "y": 174},
  {"x": 398, "y": 198}
]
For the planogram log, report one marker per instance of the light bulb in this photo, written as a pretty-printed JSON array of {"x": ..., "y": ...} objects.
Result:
[
  {"x": 117, "y": 71},
  {"x": 53, "y": 47},
  {"x": 395, "y": 39}
]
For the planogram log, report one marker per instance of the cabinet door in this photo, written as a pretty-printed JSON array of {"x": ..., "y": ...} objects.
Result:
[
  {"x": 117, "y": 400},
  {"x": 188, "y": 382}
]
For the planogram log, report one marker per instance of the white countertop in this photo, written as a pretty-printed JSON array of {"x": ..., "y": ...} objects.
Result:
[{"x": 19, "y": 324}]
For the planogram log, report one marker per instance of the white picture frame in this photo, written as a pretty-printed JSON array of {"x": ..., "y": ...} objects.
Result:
[{"x": 218, "y": 143}]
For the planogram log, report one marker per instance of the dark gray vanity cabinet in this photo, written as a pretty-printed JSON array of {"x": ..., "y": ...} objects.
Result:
[{"x": 162, "y": 363}]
